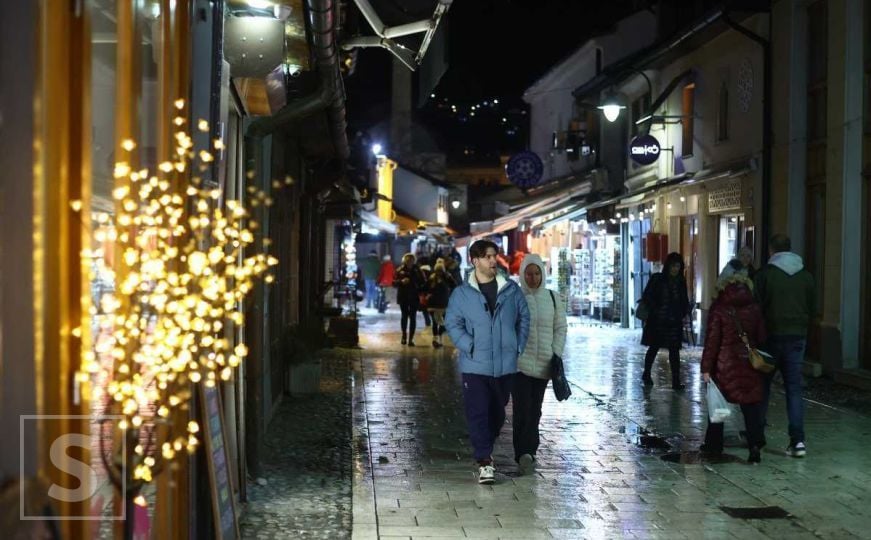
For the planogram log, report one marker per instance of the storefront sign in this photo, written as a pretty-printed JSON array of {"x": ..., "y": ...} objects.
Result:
[
  {"x": 644, "y": 149},
  {"x": 726, "y": 198},
  {"x": 525, "y": 169}
]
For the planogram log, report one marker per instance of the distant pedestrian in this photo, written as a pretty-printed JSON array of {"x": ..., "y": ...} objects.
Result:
[
  {"x": 742, "y": 264},
  {"x": 409, "y": 281},
  {"x": 440, "y": 284},
  {"x": 726, "y": 361},
  {"x": 666, "y": 298},
  {"x": 547, "y": 337},
  {"x": 488, "y": 321},
  {"x": 785, "y": 289},
  {"x": 453, "y": 268},
  {"x": 423, "y": 292},
  {"x": 385, "y": 280},
  {"x": 516, "y": 263},
  {"x": 370, "y": 266}
]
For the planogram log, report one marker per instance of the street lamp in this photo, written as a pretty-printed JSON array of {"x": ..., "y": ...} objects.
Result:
[
  {"x": 611, "y": 106},
  {"x": 455, "y": 203},
  {"x": 614, "y": 102},
  {"x": 377, "y": 149}
]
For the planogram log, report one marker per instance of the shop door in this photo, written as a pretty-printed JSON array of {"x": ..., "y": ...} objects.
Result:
[
  {"x": 730, "y": 239},
  {"x": 639, "y": 268}
]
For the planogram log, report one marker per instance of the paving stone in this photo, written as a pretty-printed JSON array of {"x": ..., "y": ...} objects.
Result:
[{"x": 592, "y": 478}]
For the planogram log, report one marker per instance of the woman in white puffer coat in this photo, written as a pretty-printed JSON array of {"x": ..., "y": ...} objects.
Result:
[{"x": 547, "y": 336}]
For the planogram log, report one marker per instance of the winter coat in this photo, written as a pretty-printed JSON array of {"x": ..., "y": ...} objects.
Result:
[
  {"x": 370, "y": 266},
  {"x": 385, "y": 275},
  {"x": 725, "y": 356},
  {"x": 547, "y": 325},
  {"x": 669, "y": 304},
  {"x": 489, "y": 344},
  {"x": 736, "y": 267},
  {"x": 408, "y": 293},
  {"x": 785, "y": 289},
  {"x": 440, "y": 284}
]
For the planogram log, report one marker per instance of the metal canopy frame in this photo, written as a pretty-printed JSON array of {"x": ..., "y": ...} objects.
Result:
[{"x": 385, "y": 35}]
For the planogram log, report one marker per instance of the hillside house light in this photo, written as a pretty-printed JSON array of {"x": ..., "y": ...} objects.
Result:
[{"x": 611, "y": 107}]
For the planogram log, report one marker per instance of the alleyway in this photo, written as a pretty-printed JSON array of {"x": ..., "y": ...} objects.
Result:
[{"x": 598, "y": 475}]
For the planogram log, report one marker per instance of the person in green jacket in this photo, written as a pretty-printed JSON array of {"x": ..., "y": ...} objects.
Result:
[
  {"x": 369, "y": 267},
  {"x": 785, "y": 290}
]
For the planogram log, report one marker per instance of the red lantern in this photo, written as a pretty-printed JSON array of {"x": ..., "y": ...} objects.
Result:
[
  {"x": 652, "y": 246},
  {"x": 663, "y": 247}
]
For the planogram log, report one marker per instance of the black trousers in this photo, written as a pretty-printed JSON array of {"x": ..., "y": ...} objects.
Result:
[
  {"x": 752, "y": 423},
  {"x": 409, "y": 317},
  {"x": 527, "y": 396},
  {"x": 673, "y": 362}
]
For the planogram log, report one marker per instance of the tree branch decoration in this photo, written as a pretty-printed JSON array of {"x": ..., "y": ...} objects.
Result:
[{"x": 185, "y": 262}]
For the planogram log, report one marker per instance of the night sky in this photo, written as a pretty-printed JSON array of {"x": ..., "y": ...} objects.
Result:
[{"x": 497, "y": 49}]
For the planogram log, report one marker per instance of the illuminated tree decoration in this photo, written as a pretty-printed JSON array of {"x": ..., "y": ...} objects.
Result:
[{"x": 185, "y": 262}]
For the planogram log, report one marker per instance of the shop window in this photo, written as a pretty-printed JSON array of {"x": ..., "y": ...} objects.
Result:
[
  {"x": 688, "y": 121},
  {"x": 640, "y": 109},
  {"x": 723, "y": 114}
]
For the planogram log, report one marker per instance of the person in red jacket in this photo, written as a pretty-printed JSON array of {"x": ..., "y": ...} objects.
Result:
[
  {"x": 726, "y": 361},
  {"x": 385, "y": 280}
]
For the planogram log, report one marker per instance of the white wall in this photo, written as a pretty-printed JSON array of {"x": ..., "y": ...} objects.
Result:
[
  {"x": 550, "y": 98},
  {"x": 415, "y": 195}
]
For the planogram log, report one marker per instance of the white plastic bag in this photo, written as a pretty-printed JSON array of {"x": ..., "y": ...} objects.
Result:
[{"x": 718, "y": 408}]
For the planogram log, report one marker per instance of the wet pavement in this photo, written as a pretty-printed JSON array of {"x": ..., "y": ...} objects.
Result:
[
  {"x": 600, "y": 470},
  {"x": 304, "y": 488}
]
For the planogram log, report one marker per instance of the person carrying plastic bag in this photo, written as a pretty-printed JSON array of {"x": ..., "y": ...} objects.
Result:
[{"x": 726, "y": 363}]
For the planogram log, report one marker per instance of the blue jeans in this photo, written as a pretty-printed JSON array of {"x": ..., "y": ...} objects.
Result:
[
  {"x": 788, "y": 352},
  {"x": 371, "y": 293}
]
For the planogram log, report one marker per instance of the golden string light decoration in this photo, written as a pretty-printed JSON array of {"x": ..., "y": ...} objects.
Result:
[{"x": 185, "y": 262}]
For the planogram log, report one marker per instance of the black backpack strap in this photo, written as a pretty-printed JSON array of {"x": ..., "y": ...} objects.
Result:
[{"x": 552, "y": 299}]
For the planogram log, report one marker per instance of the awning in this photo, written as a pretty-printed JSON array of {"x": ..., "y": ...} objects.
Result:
[
  {"x": 574, "y": 212},
  {"x": 683, "y": 181},
  {"x": 545, "y": 205},
  {"x": 374, "y": 222}
]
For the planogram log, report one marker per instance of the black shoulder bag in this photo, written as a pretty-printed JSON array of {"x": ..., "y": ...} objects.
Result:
[{"x": 561, "y": 388}]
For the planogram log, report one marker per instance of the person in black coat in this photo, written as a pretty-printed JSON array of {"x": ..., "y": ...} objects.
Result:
[
  {"x": 409, "y": 282},
  {"x": 668, "y": 304}
]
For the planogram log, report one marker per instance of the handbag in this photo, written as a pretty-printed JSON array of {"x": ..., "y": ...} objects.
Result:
[
  {"x": 642, "y": 310},
  {"x": 761, "y": 361},
  {"x": 561, "y": 388}
]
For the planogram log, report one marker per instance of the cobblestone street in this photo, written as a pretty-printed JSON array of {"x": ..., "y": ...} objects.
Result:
[{"x": 600, "y": 471}]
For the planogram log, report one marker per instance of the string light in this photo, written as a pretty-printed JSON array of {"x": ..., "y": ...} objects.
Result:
[{"x": 188, "y": 261}]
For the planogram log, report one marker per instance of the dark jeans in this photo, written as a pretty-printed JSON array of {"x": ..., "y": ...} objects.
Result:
[
  {"x": 371, "y": 293},
  {"x": 753, "y": 424},
  {"x": 485, "y": 399},
  {"x": 673, "y": 362},
  {"x": 527, "y": 396},
  {"x": 409, "y": 317},
  {"x": 788, "y": 352}
]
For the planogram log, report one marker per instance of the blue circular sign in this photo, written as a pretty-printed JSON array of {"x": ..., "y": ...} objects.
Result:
[
  {"x": 644, "y": 149},
  {"x": 525, "y": 169}
]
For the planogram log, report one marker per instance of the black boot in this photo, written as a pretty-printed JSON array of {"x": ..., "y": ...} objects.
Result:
[
  {"x": 713, "y": 440},
  {"x": 411, "y": 339},
  {"x": 404, "y": 338},
  {"x": 648, "y": 366},
  {"x": 674, "y": 363}
]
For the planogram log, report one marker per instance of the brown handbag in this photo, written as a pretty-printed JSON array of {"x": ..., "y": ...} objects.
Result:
[{"x": 760, "y": 361}]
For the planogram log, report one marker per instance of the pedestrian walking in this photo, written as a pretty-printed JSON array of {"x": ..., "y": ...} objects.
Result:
[
  {"x": 409, "y": 281},
  {"x": 488, "y": 321},
  {"x": 785, "y": 290},
  {"x": 735, "y": 313},
  {"x": 423, "y": 293},
  {"x": 666, "y": 298},
  {"x": 547, "y": 337},
  {"x": 385, "y": 280},
  {"x": 440, "y": 284},
  {"x": 453, "y": 268},
  {"x": 370, "y": 266}
]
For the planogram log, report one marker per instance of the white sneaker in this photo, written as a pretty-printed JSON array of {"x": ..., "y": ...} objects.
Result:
[
  {"x": 486, "y": 474},
  {"x": 797, "y": 450},
  {"x": 525, "y": 463}
]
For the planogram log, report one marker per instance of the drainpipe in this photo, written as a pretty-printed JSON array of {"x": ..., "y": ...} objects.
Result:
[
  {"x": 766, "y": 125},
  {"x": 330, "y": 94}
]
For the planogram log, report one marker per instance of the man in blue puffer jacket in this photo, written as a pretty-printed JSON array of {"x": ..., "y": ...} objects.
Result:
[{"x": 488, "y": 321}]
